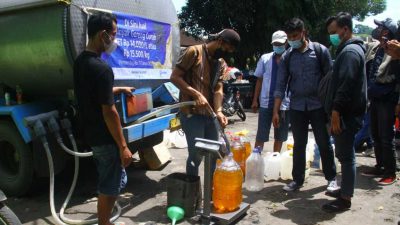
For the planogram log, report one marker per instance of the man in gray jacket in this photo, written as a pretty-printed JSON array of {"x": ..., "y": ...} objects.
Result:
[
  {"x": 348, "y": 84},
  {"x": 383, "y": 81}
]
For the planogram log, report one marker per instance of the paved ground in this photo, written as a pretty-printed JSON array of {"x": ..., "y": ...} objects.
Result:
[{"x": 144, "y": 200}]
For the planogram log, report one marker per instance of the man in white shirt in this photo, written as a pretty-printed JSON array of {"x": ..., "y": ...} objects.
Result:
[{"x": 266, "y": 72}]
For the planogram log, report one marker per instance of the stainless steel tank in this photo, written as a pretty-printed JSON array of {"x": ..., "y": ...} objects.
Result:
[{"x": 39, "y": 40}]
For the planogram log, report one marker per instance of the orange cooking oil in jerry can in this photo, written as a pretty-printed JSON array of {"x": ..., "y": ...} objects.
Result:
[
  {"x": 227, "y": 186},
  {"x": 239, "y": 153}
]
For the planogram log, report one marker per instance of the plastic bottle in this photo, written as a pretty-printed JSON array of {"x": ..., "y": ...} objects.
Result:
[
  {"x": 286, "y": 165},
  {"x": 316, "y": 159},
  {"x": 290, "y": 143},
  {"x": 7, "y": 98},
  {"x": 247, "y": 145},
  {"x": 239, "y": 153},
  {"x": 245, "y": 142},
  {"x": 224, "y": 150},
  {"x": 272, "y": 165},
  {"x": 18, "y": 91},
  {"x": 254, "y": 171},
  {"x": 227, "y": 186}
]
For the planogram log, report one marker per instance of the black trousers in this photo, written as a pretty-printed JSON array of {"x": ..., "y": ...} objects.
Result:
[{"x": 382, "y": 130}]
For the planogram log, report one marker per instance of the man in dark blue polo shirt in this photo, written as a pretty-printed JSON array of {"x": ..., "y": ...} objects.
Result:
[{"x": 300, "y": 71}]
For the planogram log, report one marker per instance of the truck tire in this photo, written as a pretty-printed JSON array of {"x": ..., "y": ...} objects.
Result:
[
  {"x": 16, "y": 162},
  {"x": 7, "y": 216}
]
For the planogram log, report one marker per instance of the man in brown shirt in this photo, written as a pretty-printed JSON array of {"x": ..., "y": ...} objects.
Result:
[{"x": 198, "y": 74}]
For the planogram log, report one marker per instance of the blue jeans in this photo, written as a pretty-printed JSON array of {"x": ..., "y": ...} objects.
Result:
[
  {"x": 345, "y": 152},
  {"x": 299, "y": 121},
  {"x": 197, "y": 126},
  {"x": 382, "y": 121},
  {"x": 364, "y": 134}
]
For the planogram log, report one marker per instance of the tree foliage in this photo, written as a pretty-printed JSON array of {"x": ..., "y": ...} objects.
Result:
[{"x": 256, "y": 20}]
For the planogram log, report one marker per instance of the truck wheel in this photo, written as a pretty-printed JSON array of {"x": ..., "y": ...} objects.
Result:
[
  {"x": 8, "y": 217},
  {"x": 16, "y": 162}
]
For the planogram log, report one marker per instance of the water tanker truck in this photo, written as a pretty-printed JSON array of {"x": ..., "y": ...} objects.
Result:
[{"x": 40, "y": 40}]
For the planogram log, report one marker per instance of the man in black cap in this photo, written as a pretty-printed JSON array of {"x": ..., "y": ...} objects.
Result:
[
  {"x": 383, "y": 76},
  {"x": 198, "y": 74}
]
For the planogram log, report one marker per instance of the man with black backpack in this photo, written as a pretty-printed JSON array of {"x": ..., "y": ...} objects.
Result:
[
  {"x": 302, "y": 67},
  {"x": 348, "y": 103}
]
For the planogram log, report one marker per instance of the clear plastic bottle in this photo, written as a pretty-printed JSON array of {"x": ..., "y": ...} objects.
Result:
[
  {"x": 239, "y": 153},
  {"x": 224, "y": 150},
  {"x": 7, "y": 99},
  {"x": 290, "y": 143},
  {"x": 254, "y": 171},
  {"x": 227, "y": 186}
]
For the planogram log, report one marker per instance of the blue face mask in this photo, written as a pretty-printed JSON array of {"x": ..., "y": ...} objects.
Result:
[
  {"x": 296, "y": 44},
  {"x": 335, "y": 39},
  {"x": 279, "y": 49}
]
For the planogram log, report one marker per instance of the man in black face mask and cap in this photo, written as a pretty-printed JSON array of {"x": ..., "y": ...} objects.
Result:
[
  {"x": 383, "y": 82},
  {"x": 198, "y": 74}
]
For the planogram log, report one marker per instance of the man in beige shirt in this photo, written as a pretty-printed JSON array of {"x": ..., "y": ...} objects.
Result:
[{"x": 198, "y": 74}]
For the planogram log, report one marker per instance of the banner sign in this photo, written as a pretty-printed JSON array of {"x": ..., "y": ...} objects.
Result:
[{"x": 144, "y": 49}]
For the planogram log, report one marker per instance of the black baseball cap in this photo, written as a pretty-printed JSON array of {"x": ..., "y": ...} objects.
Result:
[
  {"x": 228, "y": 35},
  {"x": 388, "y": 24}
]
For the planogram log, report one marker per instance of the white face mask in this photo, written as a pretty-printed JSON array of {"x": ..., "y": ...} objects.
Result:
[{"x": 109, "y": 48}]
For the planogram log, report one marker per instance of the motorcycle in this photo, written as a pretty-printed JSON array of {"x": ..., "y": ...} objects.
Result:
[
  {"x": 7, "y": 216},
  {"x": 231, "y": 104}
]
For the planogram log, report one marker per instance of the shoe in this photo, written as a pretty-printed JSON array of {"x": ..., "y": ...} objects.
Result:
[
  {"x": 387, "y": 180},
  {"x": 332, "y": 186},
  {"x": 333, "y": 194},
  {"x": 292, "y": 186},
  {"x": 369, "y": 152},
  {"x": 374, "y": 172},
  {"x": 338, "y": 205}
]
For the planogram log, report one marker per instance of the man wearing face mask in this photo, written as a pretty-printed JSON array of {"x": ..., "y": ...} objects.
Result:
[
  {"x": 300, "y": 71},
  {"x": 93, "y": 83},
  {"x": 266, "y": 73},
  {"x": 349, "y": 103},
  {"x": 383, "y": 82},
  {"x": 198, "y": 74}
]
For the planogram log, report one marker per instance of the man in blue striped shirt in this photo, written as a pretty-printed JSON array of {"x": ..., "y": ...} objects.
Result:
[
  {"x": 266, "y": 72},
  {"x": 300, "y": 72}
]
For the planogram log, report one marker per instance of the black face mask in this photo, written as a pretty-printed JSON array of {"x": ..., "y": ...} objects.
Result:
[
  {"x": 376, "y": 33},
  {"x": 219, "y": 53}
]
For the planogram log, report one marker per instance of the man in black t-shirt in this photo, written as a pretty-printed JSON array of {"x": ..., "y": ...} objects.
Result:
[{"x": 93, "y": 82}]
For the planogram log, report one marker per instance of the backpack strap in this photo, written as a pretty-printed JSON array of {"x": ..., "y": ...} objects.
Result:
[
  {"x": 318, "y": 54},
  {"x": 287, "y": 64}
]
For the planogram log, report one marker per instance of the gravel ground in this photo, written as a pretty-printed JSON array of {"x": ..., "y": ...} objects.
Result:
[{"x": 144, "y": 199}]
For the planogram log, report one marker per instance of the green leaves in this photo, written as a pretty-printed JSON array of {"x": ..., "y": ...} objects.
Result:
[{"x": 256, "y": 20}]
